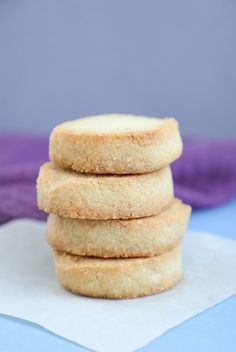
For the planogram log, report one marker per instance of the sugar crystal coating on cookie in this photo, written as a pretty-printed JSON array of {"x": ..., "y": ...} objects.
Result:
[
  {"x": 115, "y": 144},
  {"x": 143, "y": 237},
  {"x": 119, "y": 278}
]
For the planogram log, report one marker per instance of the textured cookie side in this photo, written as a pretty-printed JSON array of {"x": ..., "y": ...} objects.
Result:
[
  {"x": 118, "y": 278},
  {"x": 117, "y": 153},
  {"x": 86, "y": 196},
  {"x": 144, "y": 237}
]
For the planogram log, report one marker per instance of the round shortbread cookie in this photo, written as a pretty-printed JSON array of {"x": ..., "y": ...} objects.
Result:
[
  {"x": 116, "y": 144},
  {"x": 144, "y": 237},
  {"x": 119, "y": 278},
  {"x": 87, "y": 196}
]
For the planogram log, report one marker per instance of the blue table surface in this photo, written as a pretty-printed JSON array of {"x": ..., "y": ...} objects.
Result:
[{"x": 212, "y": 330}]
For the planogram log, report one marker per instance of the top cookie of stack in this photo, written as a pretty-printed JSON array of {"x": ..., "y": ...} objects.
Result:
[{"x": 116, "y": 144}]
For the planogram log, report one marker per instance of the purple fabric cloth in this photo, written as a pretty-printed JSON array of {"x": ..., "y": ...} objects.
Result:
[
  {"x": 204, "y": 176},
  {"x": 20, "y": 158}
]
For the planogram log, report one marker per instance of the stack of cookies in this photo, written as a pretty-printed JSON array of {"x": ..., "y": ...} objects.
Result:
[{"x": 114, "y": 224}]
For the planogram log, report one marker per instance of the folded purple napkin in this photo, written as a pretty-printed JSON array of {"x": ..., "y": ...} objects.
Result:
[{"x": 204, "y": 176}]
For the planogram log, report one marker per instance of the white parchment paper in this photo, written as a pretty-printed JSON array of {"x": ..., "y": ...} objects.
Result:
[{"x": 29, "y": 290}]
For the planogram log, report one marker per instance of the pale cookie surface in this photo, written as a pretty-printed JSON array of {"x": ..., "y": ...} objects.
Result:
[
  {"x": 86, "y": 196},
  {"x": 119, "y": 278},
  {"x": 144, "y": 237},
  {"x": 117, "y": 144}
]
